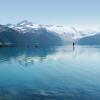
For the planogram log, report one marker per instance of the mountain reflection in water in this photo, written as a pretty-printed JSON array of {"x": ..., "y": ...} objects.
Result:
[
  {"x": 55, "y": 73},
  {"x": 27, "y": 56}
]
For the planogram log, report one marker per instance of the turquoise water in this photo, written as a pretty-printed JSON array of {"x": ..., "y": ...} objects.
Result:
[{"x": 56, "y": 73}]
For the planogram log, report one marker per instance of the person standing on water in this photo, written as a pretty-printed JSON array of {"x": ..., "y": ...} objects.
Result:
[{"x": 73, "y": 46}]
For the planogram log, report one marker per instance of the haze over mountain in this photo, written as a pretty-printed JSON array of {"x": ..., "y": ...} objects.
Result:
[
  {"x": 90, "y": 40},
  {"x": 28, "y": 33}
]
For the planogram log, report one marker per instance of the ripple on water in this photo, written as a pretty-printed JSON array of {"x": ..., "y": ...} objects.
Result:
[{"x": 32, "y": 94}]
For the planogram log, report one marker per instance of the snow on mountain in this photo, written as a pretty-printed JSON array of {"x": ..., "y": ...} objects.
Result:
[
  {"x": 10, "y": 25},
  {"x": 28, "y": 33},
  {"x": 64, "y": 31},
  {"x": 24, "y": 26},
  {"x": 73, "y": 32}
]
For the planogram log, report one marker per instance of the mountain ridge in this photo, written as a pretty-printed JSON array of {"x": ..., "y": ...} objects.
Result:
[{"x": 28, "y": 33}]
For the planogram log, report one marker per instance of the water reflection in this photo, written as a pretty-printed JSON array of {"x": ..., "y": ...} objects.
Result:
[
  {"x": 57, "y": 73},
  {"x": 28, "y": 56}
]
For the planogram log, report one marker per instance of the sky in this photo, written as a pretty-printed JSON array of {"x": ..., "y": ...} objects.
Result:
[{"x": 82, "y": 13}]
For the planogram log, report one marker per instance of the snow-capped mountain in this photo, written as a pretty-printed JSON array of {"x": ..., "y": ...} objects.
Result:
[
  {"x": 14, "y": 35},
  {"x": 29, "y": 27},
  {"x": 64, "y": 31},
  {"x": 23, "y": 26},
  {"x": 28, "y": 33}
]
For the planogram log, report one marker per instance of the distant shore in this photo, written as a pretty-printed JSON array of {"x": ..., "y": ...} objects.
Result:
[{"x": 6, "y": 45}]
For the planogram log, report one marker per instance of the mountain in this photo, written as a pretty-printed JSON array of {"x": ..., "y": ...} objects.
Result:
[
  {"x": 90, "y": 40},
  {"x": 8, "y": 35},
  {"x": 36, "y": 33},
  {"x": 40, "y": 37},
  {"x": 26, "y": 33},
  {"x": 72, "y": 32}
]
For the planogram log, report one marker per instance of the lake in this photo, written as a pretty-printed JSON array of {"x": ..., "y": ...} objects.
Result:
[{"x": 55, "y": 73}]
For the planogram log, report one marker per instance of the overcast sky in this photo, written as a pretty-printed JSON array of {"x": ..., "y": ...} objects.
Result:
[{"x": 60, "y": 12}]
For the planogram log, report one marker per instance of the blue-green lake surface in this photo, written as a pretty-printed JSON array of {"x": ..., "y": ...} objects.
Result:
[{"x": 55, "y": 73}]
